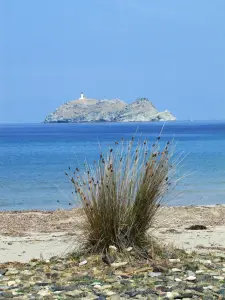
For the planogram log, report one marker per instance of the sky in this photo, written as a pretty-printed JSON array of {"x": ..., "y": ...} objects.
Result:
[{"x": 171, "y": 52}]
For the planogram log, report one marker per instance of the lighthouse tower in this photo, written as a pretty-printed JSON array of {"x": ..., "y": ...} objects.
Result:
[{"x": 81, "y": 96}]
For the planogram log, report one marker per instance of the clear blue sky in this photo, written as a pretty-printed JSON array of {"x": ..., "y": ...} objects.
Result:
[{"x": 172, "y": 52}]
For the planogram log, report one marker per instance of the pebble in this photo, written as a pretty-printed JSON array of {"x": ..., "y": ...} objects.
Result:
[
  {"x": 76, "y": 293},
  {"x": 11, "y": 272},
  {"x": 199, "y": 272},
  {"x": 119, "y": 264},
  {"x": 209, "y": 287},
  {"x": 190, "y": 273},
  {"x": 191, "y": 278},
  {"x": 3, "y": 271},
  {"x": 96, "y": 283},
  {"x": 174, "y": 260},
  {"x": 218, "y": 277},
  {"x": 205, "y": 262},
  {"x": 7, "y": 295},
  {"x": 43, "y": 292},
  {"x": 27, "y": 273},
  {"x": 109, "y": 293},
  {"x": 102, "y": 287},
  {"x": 154, "y": 274},
  {"x": 11, "y": 283},
  {"x": 178, "y": 279},
  {"x": 112, "y": 248},
  {"x": 114, "y": 297},
  {"x": 129, "y": 249},
  {"x": 172, "y": 295},
  {"x": 64, "y": 279},
  {"x": 82, "y": 263},
  {"x": 176, "y": 270}
]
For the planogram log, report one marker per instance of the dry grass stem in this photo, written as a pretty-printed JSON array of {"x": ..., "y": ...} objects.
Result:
[{"x": 122, "y": 192}]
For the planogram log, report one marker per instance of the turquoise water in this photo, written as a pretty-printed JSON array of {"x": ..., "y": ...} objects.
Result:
[{"x": 34, "y": 158}]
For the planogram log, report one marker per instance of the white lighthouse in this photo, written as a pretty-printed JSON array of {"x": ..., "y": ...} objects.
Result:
[{"x": 81, "y": 96}]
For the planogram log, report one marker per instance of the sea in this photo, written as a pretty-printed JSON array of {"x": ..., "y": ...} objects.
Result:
[{"x": 35, "y": 157}]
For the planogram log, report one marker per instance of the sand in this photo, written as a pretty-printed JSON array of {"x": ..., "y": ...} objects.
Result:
[{"x": 41, "y": 234}]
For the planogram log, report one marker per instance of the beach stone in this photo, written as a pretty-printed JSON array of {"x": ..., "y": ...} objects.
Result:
[
  {"x": 199, "y": 272},
  {"x": 7, "y": 295},
  {"x": 205, "y": 278},
  {"x": 3, "y": 271},
  {"x": 4, "y": 279},
  {"x": 42, "y": 283},
  {"x": 172, "y": 295},
  {"x": 43, "y": 293},
  {"x": 129, "y": 249},
  {"x": 209, "y": 297},
  {"x": 205, "y": 261},
  {"x": 154, "y": 274},
  {"x": 163, "y": 288},
  {"x": 58, "y": 267},
  {"x": 82, "y": 263},
  {"x": 159, "y": 269},
  {"x": 139, "y": 297},
  {"x": 11, "y": 283},
  {"x": 191, "y": 278},
  {"x": 55, "y": 275},
  {"x": 176, "y": 270},
  {"x": 109, "y": 293},
  {"x": 89, "y": 296},
  {"x": 112, "y": 280},
  {"x": 190, "y": 273},
  {"x": 36, "y": 278},
  {"x": 115, "y": 297},
  {"x": 218, "y": 277},
  {"x": 33, "y": 263},
  {"x": 64, "y": 287},
  {"x": 27, "y": 273},
  {"x": 119, "y": 264},
  {"x": 117, "y": 285},
  {"x": 77, "y": 294},
  {"x": 174, "y": 260},
  {"x": 132, "y": 293},
  {"x": 102, "y": 287},
  {"x": 221, "y": 292},
  {"x": 152, "y": 297},
  {"x": 96, "y": 283},
  {"x": 124, "y": 282},
  {"x": 209, "y": 287},
  {"x": 112, "y": 249},
  {"x": 32, "y": 297},
  {"x": 198, "y": 288},
  {"x": 11, "y": 272},
  {"x": 187, "y": 294},
  {"x": 149, "y": 291}
]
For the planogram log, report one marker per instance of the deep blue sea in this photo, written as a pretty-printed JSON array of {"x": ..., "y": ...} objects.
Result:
[{"x": 34, "y": 158}]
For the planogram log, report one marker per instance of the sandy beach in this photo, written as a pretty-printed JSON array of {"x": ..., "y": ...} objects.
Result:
[{"x": 39, "y": 234}]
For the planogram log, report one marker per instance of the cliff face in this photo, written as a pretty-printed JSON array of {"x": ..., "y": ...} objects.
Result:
[{"x": 115, "y": 110}]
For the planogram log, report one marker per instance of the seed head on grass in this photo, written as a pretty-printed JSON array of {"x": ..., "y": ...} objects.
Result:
[{"x": 122, "y": 192}]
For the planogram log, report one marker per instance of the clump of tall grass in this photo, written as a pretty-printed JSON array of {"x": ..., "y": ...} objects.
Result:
[{"x": 122, "y": 192}]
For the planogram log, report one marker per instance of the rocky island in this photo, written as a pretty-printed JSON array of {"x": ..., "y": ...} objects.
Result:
[{"x": 91, "y": 110}]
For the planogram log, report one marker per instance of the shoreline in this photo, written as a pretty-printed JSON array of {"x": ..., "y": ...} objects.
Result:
[
  {"x": 69, "y": 209},
  {"x": 25, "y": 235}
]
